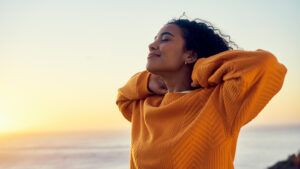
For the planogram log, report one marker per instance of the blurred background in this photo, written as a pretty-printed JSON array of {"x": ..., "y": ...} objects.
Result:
[{"x": 61, "y": 63}]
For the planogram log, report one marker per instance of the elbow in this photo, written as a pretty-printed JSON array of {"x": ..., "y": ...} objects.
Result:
[
  {"x": 125, "y": 111},
  {"x": 267, "y": 58},
  {"x": 269, "y": 61},
  {"x": 272, "y": 67}
]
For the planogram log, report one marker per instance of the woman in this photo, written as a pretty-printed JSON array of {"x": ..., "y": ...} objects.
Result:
[{"x": 188, "y": 107}]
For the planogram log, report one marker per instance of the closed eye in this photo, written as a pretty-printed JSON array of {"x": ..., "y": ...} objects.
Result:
[
  {"x": 164, "y": 34},
  {"x": 164, "y": 40}
]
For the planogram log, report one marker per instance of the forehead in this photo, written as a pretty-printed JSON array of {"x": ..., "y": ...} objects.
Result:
[{"x": 171, "y": 28}]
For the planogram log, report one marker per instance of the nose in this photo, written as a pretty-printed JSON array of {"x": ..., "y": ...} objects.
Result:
[{"x": 153, "y": 46}]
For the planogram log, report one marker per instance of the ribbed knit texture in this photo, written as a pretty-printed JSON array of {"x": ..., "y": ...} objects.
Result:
[{"x": 199, "y": 129}]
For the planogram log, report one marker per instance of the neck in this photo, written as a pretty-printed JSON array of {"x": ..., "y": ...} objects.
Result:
[{"x": 178, "y": 81}]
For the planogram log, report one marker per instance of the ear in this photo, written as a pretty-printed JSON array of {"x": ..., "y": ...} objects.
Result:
[{"x": 190, "y": 57}]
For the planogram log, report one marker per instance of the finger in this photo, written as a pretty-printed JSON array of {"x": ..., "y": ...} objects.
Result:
[
  {"x": 163, "y": 91},
  {"x": 193, "y": 84}
]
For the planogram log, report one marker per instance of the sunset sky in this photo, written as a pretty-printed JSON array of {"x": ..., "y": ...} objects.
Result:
[{"x": 62, "y": 61}]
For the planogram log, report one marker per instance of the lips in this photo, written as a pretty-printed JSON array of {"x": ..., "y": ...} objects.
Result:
[{"x": 153, "y": 55}]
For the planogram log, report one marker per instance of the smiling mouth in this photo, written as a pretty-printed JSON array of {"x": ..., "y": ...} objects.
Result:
[{"x": 153, "y": 55}]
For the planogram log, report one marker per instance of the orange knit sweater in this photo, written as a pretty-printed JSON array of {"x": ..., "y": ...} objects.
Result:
[{"x": 199, "y": 129}]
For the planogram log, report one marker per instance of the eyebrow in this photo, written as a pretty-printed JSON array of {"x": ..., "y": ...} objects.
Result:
[{"x": 165, "y": 33}]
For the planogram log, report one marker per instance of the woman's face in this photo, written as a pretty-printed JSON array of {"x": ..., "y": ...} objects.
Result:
[{"x": 166, "y": 52}]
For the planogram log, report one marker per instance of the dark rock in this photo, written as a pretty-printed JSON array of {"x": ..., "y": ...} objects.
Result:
[{"x": 293, "y": 162}]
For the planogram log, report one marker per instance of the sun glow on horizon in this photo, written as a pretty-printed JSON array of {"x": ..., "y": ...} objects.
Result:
[
  {"x": 7, "y": 124},
  {"x": 4, "y": 123}
]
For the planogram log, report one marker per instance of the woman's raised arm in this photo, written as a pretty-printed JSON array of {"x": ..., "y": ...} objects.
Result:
[
  {"x": 244, "y": 81},
  {"x": 131, "y": 95}
]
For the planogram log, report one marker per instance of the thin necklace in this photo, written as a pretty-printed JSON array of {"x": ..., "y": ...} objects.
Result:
[{"x": 185, "y": 91}]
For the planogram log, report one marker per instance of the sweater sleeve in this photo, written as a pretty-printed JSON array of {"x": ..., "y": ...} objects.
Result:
[
  {"x": 245, "y": 82},
  {"x": 131, "y": 95}
]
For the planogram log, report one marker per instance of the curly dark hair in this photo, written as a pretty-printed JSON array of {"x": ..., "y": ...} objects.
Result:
[{"x": 202, "y": 37}]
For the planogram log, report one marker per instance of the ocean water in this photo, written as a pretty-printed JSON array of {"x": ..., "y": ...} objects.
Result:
[{"x": 257, "y": 148}]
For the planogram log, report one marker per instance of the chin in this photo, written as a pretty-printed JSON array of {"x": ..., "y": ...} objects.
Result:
[
  {"x": 152, "y": 69},
  {"x": 149, "y": 69}
]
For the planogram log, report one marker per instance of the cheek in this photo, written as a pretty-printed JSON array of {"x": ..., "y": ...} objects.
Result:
[
  {"x": 170, "y": 50},
  {"x": 171, "y": 53}
]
